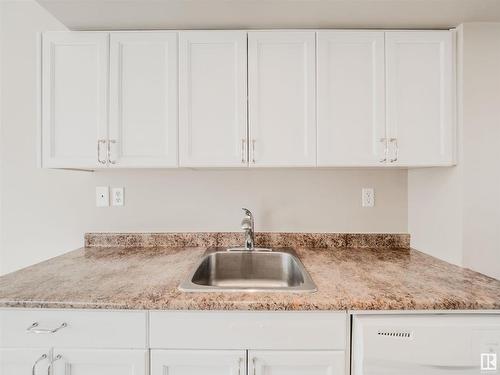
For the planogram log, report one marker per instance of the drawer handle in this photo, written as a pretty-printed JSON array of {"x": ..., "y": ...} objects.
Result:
[
  {"x": 33, "y": 369},
  {"x": 33, "y": 329},
  {"x": 254, "y": 364}
]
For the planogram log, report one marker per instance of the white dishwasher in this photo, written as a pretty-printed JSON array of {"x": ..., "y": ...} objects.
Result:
[{"x": 452, "y": 344}]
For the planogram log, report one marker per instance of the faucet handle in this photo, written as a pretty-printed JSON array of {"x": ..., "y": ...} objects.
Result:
[{"x": 247, "y": 212}]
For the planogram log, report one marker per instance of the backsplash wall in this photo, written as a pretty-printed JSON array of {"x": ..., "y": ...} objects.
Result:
[
  {"x": 46, "y": 212},
  {"x": 282, "y": 200}
]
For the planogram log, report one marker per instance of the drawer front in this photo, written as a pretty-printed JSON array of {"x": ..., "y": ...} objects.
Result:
[
  {"x": 248, "y": 330},
  {"x": 72, "y": 328}
]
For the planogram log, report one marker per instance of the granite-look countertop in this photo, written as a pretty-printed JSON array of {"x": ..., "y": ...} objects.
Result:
[{"x": 347, "y": 278}]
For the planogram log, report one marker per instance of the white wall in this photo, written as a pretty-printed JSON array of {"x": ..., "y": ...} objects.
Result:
[
  {"x": 46, "y": 212},
  {"x": 481, "y": 147},
  {"x": 435, "y": 212},
  {"x": 455, "y": 214}
]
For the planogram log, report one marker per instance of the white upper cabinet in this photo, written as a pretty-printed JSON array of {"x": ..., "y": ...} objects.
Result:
[
  {"x": 282, "y": 113},
  {"x": 351, "y": 98},
  {"x": 420, "y": 97},
  {"x": 74, "y": 98},
  {"x": 143, "y": 99},
  {"x": 213, "y": 99},
  {"x": 329, "y": 98}
]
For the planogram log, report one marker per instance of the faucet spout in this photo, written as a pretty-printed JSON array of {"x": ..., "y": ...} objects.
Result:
[{"x": 247, "y": 224}]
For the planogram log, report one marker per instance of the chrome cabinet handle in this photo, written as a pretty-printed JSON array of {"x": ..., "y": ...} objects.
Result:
[
  {"x": 396, "y": 151},
  {"x": 57, "y": 358},
  {"x": 239, "y": 365},
  {"x": 33, "y": 369},
  {"x": 111, "y": 141},
  {"x": 99, "y": 141},
  {"x": 254, "y": 364},
  {"x": 253, "y": 151},
  {"x": 33, "y": 329},
  {"x": 386, "y": 150},
  {"x": 243, "y": 158}
]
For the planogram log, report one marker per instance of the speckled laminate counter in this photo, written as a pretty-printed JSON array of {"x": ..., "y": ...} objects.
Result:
[{"x": 347, "y": 278}]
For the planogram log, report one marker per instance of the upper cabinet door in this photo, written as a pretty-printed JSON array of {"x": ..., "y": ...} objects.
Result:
[
  {"x": 420, "y": 97},
  {"x": 213, "y": 99},
  {"x": 143, "y": 105},
  {"x": 74, "y": 99},
  {"x": 282, "y": 115},
  {"x": 273, "y": 362},
  {"x": 351, "y": 98}
]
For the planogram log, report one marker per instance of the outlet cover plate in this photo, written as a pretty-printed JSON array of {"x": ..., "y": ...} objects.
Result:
[
  {"x": 102, "y": 196},
  {"x": 367, "y": 197},
  {"x": 117, "y": 196}
]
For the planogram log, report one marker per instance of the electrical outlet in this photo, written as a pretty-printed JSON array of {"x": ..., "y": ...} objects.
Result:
[
  {"x": 367, "y": 197},
  {"x": 102, "y": 196},
  {"x": 118, "y": 198}
]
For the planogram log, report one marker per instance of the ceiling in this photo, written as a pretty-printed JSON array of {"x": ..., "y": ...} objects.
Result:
[{"x": 251, "y": 14}]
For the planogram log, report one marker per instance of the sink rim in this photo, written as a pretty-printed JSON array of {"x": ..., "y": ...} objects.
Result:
[{"x": 188, "y": 286}]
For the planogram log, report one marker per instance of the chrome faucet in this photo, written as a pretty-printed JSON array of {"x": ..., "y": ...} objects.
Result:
[{"x": 247, "y": 225}]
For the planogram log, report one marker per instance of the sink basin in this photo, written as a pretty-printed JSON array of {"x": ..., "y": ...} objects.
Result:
[{"x": 249, "y": 270}]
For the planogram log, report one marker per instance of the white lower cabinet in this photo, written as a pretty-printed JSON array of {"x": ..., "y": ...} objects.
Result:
[
  {"x": 24, "y": 361},
  {"x": 197, "y": 362},
  {"x": 234, "y": 362},
  {"x": 293, "y": 362},
  {"x": 19, "y": 361},
  {"x": 100, "y": 362}
]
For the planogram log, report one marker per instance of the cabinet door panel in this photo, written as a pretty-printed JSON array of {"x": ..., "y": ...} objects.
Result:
[
  {"x": 74, "y": 98},
  {"x": 196, "y": 362},
  {"x": 213, "y": 103},
  {"x": 282, "y": 115},
  {"x": 351, "y": 98},
  {"x": 420, "y": 104},
  {"x": 101, "y": 362},
  {"x": 297, "y": 362},
  {"x": 143, "y": 103},
  {"x": 22, "y": 361}
]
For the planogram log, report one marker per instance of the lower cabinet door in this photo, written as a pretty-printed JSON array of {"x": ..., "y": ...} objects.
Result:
[
  {"x": 100, "y": 362},
  {"x": 24, "y": 361},
  {"x": 198, "y": 362},
  {"x": 296, "y": 362}
]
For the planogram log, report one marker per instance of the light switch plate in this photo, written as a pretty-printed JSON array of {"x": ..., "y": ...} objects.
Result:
[
  {"x": 102, "y": 196},
  {"x": 367, "y": 197},
  {"x": 117, "y": 196}
]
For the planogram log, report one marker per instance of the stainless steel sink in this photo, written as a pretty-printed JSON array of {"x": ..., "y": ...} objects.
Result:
[{"x": 239, "y": 270}]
